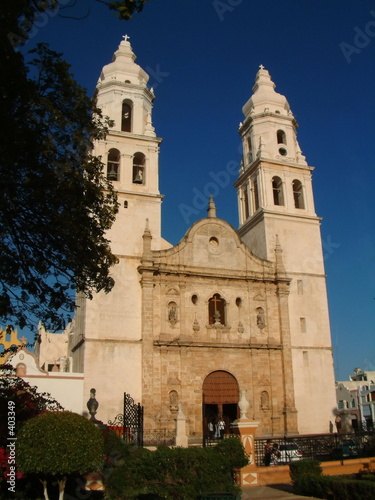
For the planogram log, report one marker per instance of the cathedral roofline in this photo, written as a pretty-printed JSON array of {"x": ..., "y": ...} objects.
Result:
[{"x": 213, "y": 230}]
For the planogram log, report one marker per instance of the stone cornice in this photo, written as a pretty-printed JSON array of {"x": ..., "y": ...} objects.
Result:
[
  {"x": 128, "y": 86},
  {"x": 228, "y": 274},
  {"x": 318, "y": 348},
  {"x": 129, "y": 135},
  {"x": 116, "y": 341},
  {"x": 270, "y": 164},
  {"x": 216, "y": 345},
  {"x": 279, "y": 118},
  {"x": 262, "y": 212},
  {"x": 137, "y": 195}
]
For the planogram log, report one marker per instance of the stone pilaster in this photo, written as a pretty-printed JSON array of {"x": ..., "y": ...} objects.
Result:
[
  {"x": 289, "y": 410},
  {"x": 147, "y": 346}
]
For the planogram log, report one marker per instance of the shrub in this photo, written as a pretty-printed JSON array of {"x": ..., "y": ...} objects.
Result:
[
  {"x": 304, "y": 468},
  {"x": 177, "y": 473},
  {"x": 335, "y": 488}
]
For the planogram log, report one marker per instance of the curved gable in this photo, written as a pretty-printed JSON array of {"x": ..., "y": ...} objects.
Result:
[{"x": 212, "y": 243}]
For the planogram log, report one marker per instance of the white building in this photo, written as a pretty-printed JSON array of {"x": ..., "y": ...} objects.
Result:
[{"x": 356, "y": 398}]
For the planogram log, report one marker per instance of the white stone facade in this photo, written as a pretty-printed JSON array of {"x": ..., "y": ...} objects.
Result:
[{"x": 248, "y": 307}]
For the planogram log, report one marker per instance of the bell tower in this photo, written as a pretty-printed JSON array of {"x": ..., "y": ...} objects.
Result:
[
  {"x": 108, "y": 328},
  {"x": 274, "y": 188},
  {"x": 276, "y": 211},
  {"x": 130, "y": 151}
]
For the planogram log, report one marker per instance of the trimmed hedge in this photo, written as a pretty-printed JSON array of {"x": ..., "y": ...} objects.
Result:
[
  {"x": 177, "y": 473},
  {"x": 308, "y": 481},
  {"x": 304, "y": 468},
  {"x": 335, "y": 488}
]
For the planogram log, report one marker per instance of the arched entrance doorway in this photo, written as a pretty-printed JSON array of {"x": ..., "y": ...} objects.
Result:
[{"x": 220, "y": 397}]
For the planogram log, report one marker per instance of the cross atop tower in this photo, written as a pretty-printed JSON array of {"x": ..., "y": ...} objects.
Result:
[
  {"x": 261, "y": 66},
  {"x": 126, "y": 38}
]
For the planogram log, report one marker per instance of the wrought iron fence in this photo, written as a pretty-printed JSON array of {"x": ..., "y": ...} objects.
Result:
[
  {"x": 157, "y": 437},
  {"x": 130, "y": 422},
  {"x": 322, "y": 447}
]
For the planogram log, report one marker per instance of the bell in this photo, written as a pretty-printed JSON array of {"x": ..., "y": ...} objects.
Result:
[{"x": 138, "y": 179}]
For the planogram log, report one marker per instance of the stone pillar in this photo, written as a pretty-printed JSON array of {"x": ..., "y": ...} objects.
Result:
[
  {"x": 181, "y": 435},
  {"x": 245, "y": 429}
]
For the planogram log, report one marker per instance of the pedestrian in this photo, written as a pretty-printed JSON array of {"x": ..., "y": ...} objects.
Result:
[
  {"x": 267, "y": 453},
  {"x": 221, "y": 426},
  {"x": 211, "y": 429}
]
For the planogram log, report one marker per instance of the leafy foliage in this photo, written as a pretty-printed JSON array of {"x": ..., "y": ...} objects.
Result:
[
  {"x": 59, "y": 444},
  {"x": 177, "y": 473},
  {"x": 302, "y": 468},
  {"x": 335, "y": 487},
  {"x": 28, "y": 401},
  {"x": 56, "y": 203},
  {"x": 126, "y": 8}
]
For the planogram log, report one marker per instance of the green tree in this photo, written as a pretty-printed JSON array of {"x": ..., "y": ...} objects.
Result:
[
  {"x": 54, "y": 445},
  {"x": 56, "y": 203}
]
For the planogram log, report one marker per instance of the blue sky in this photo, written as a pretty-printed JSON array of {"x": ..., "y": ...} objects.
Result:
[{"x": 202, "y": 57}]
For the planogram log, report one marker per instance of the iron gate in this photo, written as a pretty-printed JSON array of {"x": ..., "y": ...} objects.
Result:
[{"x": 131, "y": 421}]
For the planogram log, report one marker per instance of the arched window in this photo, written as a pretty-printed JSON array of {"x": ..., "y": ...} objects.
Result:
[
  {"x": 126, "y": 116},
  {"x": 255, "y": 194},
  {"x": 281, "y": 137},
  {"x": 246, "y": 203},
  {"x": 216, "y": 310},
  {"x": 139, "y": 168},
  {"x": 277, "y": 189},
  {"x": 298, "y": 194},
  {"x": 250, "y": 150},
  {"x": 113, "y": 165}
]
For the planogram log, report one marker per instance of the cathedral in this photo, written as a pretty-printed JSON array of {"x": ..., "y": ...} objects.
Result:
[{"x": 225, "y": 311}]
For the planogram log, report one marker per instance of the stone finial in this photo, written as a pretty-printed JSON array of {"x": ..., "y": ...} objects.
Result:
[
  {"x": 147, "y": 237},
  {"x": 211, "y": 210},
  {"x": 92, "y": 405},
  {"x": 243, "y": 405},
  {"x": 280, "y": 269}
]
